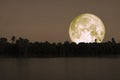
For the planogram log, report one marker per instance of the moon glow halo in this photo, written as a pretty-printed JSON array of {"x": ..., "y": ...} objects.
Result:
[{"x": 87, "y": 28}]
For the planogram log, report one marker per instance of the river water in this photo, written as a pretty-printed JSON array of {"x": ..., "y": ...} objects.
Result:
[{"x": 59, "y": 69}]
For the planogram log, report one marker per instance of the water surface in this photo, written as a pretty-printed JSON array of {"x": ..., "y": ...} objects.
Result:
[{"x": 59, "y": 69}]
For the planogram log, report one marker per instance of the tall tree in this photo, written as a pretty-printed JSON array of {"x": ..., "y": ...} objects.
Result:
[
  {"x": 3, "y": 40},
  {"x": 13, "y": 39}
]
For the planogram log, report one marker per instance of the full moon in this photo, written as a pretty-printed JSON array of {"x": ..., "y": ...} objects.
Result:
[{"x": 87, "y": 28}]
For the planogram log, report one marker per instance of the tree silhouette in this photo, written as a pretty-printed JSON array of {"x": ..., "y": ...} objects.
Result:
[
  {"x": 23, "y": 48},
  {"x": 3, "y": 40},
  {"x": 13, "y": 39},
  {"x": 113, "y": 41}
]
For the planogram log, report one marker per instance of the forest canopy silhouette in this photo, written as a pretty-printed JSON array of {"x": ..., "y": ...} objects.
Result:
[{"x": 22, "y": 47}]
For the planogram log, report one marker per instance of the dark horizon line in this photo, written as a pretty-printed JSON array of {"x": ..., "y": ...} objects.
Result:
[{"x": 14, "y": 39}]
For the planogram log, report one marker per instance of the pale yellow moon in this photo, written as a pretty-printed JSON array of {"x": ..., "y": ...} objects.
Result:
[{"x": 87, "y": 28}]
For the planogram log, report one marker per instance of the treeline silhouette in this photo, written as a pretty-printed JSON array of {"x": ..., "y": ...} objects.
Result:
[{"x": 24, "y": 48}]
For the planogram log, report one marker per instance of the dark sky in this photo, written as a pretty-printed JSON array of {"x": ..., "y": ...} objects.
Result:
[{"x": 41, "y": 20}]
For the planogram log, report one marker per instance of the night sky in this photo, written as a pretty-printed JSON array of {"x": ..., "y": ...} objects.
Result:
[{"x": 49, "y": 20}]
